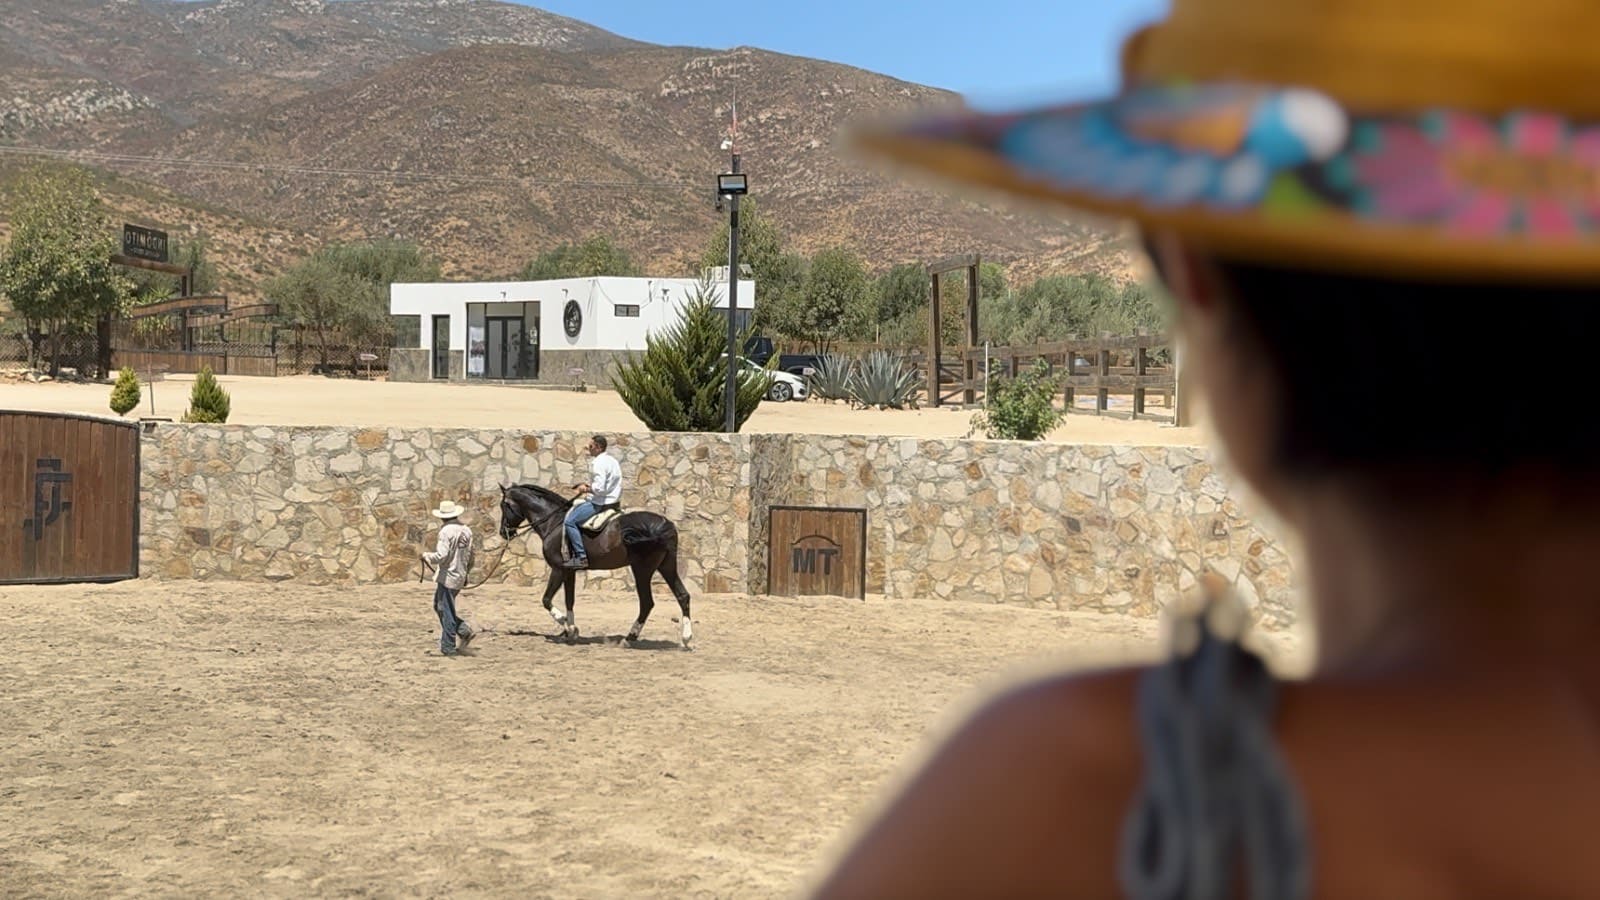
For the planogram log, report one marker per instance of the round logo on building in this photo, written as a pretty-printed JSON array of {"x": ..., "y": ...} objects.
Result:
[{"x": 572, "y": 318}]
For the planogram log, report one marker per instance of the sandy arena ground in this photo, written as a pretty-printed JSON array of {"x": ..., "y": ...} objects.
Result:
[
  {"x": 189, "y": 739},
  {"x": 315, "y": 400},
  {"x": 215, "y": 740}
]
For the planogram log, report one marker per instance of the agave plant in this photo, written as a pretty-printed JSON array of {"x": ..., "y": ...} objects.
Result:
[
  {"x": 884, "y": 381},
  {"x": 831, "y": 379}
]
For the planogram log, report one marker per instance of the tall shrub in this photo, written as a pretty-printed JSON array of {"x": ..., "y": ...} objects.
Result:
[
  {"x": 1021, "y": 408},
  {"x": 208, "y": 402},
  {"x": 677, "y": 384},
  {"x": 125, "y": 393}
]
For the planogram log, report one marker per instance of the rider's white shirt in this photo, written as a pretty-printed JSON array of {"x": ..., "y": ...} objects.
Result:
[{"x": 605, "y": 480}]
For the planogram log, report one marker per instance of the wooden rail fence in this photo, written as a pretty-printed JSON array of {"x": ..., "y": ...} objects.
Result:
[{"x": 1090, "y": 368}]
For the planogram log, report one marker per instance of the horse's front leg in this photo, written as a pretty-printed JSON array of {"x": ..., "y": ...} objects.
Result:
[
  {"x": 550, "y": 588},
  {"x": 570, "y": 583}
]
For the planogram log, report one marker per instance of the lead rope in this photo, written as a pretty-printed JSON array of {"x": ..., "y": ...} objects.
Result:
[
  {"x": 425, "y": 569},
  {"x": 1217, "y": 799}
]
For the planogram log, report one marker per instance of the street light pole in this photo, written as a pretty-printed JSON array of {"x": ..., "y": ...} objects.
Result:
[{"x": 733, "y": 188}]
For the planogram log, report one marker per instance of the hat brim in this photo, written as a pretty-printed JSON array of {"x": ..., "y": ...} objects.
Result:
[
  {"x": 1285, "y": 175},
  {"x": 447, "y": 514}
]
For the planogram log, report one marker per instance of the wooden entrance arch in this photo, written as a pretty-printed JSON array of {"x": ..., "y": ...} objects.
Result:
[{"x": 969, "y": 371}]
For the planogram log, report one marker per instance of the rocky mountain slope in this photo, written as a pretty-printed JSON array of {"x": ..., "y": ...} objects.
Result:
[{"x": 487, "y": 131}]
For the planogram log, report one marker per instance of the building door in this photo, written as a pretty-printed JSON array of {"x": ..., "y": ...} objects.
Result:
[
  {"x": 441, "y": 346},
  {"x": 505, "y": 347}
]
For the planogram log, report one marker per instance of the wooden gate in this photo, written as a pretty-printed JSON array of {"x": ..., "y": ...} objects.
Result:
[
  {"x": 69, "y": 498},
  {"x": 814, "y": 550}
]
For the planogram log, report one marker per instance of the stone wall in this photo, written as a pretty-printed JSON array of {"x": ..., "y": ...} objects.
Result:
[
  {"x": 597, "y": 365},
  {"x": 410, "y": 364},
  {"x": 1037, "y": 524},
  {"x": 343, "y": 505},
  {"x": 1042, "y": 524}
]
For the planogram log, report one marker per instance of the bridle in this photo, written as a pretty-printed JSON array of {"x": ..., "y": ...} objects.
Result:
[{"x": 539, "y": 526}]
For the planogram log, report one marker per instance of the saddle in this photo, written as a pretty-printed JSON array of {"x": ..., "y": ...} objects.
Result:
[{"x": 597, "y": 523}]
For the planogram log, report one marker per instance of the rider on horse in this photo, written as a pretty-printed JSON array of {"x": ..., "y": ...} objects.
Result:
[{"x": 605, "y": 490}]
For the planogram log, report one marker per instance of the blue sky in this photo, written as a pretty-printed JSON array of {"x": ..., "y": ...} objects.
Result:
[{"x": 997, "y": 53}]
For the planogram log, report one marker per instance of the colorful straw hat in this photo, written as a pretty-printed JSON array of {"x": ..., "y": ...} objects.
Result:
[{"x": 1415, "y": 136}]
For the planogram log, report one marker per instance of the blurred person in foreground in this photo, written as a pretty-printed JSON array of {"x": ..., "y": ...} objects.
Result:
[{"x": 1367, "y": 211}]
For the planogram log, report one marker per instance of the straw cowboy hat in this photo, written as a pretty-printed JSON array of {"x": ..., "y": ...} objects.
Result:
[
  {"x": 449, "y": 510},
  {"x": 1414, "y": 136}
]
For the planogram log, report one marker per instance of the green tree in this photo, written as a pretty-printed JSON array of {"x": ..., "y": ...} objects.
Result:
[
  {"x": 208, "y": 402},
  {"x": 837, "y": 301},
  {"x": 902, "y": 290},
  {"x": 677, "y": 384},
  {"x": 596, "y": 256},
  {"x": 125, "y": 393},
  {"x": 316, "y": 294},
  {"x": 56, "y": 269},
  {"x": 343, "y": 289},
  {"x": 903, "y": 303},
  {"x": 779, "y": 274},
  {"x": 1058, "y": 306}
]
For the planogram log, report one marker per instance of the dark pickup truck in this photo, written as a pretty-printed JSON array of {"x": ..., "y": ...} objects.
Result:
[{"x": 759, "y": 349}]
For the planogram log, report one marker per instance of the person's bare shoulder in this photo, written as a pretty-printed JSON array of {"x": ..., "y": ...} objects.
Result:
[{"x": 1027, "y": 797}]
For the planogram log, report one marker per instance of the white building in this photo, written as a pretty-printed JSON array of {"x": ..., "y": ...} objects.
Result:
[{"x": 536, "y": 330}]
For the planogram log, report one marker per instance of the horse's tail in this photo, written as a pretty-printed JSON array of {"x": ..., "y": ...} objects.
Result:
[{"x": 654, "y": 533}]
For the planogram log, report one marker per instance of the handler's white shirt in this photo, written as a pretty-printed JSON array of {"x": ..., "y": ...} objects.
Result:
[
  {"x": 453, "y": 556},
  {"x": 605, "y": 480}
]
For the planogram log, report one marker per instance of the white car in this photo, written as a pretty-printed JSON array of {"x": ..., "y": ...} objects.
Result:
[{"x": 783, "y": 386}]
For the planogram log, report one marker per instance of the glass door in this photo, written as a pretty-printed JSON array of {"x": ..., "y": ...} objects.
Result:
[
  {"x": 441, "y": 346},
  {"x": 505, "y": 351}
]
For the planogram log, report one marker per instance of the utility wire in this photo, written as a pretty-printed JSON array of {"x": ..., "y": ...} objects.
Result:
[{"x": 376, "y": 174}]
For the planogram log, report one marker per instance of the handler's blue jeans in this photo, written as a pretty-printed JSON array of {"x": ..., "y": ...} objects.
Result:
[
  {"x": 444, "y": 603},
  {"x": 582, "y": 512}
]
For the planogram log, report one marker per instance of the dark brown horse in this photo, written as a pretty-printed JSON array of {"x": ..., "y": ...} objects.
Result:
[{"x": 643, "y": 541}]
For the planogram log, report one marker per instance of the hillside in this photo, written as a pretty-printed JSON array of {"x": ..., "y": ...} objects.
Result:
[{"x": 487, "y": 131}]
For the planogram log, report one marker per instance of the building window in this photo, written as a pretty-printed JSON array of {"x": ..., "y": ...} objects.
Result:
[{"x": 626, "y": 310}]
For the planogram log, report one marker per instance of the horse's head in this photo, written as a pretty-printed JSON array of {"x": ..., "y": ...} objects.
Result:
[{"x": 511, "y": 514}]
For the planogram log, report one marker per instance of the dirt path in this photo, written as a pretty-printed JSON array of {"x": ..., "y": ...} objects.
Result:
[
  {"x": 230, "y": 739},
  {"x": 314, "y": 400}
]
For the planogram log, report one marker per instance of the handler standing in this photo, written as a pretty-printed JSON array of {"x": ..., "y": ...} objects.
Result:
[{"x": 452, "y": 560}]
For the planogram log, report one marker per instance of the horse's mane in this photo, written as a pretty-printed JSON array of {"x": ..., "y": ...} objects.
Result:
[{"x": 542, "y": 491}]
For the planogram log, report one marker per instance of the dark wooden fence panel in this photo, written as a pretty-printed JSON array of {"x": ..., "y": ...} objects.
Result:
[{"x": 69, "y": 498}]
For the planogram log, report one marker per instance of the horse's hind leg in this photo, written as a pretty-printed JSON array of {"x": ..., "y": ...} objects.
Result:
[
  {"x": 669, "y": 572},
  {"x": 643, "y": 571}
]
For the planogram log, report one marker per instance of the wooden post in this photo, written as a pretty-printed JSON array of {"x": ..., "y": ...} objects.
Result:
[
  {"x": 972, "y": 328},
  {"x": 934, "y": 366},
  {"x": 1141, "y": 358},
  {"x": 1180, "y": 401},
  {"x": 1102, "y": 397},
  {"x": 1068, "y": 396}
]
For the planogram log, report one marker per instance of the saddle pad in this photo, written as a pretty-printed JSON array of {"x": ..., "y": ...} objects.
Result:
[{"x": 597, "y": 522}]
